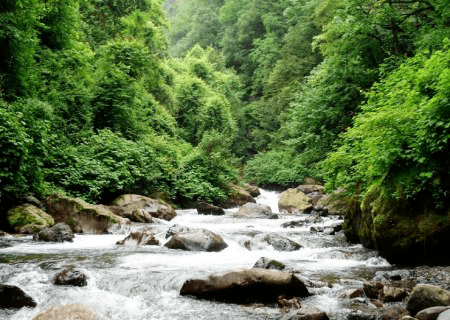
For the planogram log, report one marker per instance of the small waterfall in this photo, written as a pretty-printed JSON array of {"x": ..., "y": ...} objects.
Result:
[{"x": 270, "y": 198}]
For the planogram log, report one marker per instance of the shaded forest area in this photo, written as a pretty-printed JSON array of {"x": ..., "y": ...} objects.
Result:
[{"x": 100, "y": 98}]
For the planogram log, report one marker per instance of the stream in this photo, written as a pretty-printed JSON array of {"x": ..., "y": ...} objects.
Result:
[{"x": 143, "y": 282}]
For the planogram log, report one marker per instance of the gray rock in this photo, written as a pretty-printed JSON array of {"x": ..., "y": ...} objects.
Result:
[
  {"x": 32, "y": 200},
  {"x": 306, "y": 313},
  {"x": 70, "y": 277},
  {"x": 293, "y": 224},
  {"x": 392, "y": 294},
  {"x": 176, "y": 228},
  {"x": 430, "y": 313},
  {"x": 12, "y": 297},
  {"x": 60, "y": 232},
  {"x": 277, "y": 241},
  {"x": 425, "y": 296},
  {"x": 329, "y": 231},
  {"x": 266, "y": 263},
  {"x": 253, "y": 210},
  {"x": 209, "y": 209},
  {"x": 361, "y": 316},
  {"x": 317, "y": 229},
  {"x": 197, "y": 240},
  {"x": 246, "y": 286},
  {"x": 398, "y": 275},
  {"x": 444, "y": 315},
  {"x": 139, "y": 238},
  {"x": 393, "y": 312},
  {"x": 253, "y": 190},
  {"x": 351, "y": 293}
]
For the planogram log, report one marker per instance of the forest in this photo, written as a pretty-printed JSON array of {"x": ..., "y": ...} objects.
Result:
[{"x": 185, "y": 97}]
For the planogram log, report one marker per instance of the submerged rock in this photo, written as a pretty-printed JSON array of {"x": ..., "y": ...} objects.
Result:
[
  {"x": 209, "y": 209},
  {"x": 28, "y": 219},
  {"x": 246, "y": 286},
  {"x": 12, "y": 297},
  {"x": 425, "y": 296},
  {"x": 277, "y": 241},
  {"x": 139, "y": 238},
  {"x": 70, "y": 277},
  {"x": 253, "y": 210},
  {"x": 266, "y": 263},
  {"x": 141, "y": 209},
  {"x": 197, "y": 240},
  {"x": 68, "y": 312},
  {"x": 58, "y": 233}
]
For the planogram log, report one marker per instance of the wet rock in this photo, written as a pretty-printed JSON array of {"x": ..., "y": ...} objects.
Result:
[
  {"x": 197, "y": 240},
  {"x": 317, "y": 229},
  {"x": 253, "y": 210},
  {"x": 313, "y": 219},
  {"x": 329, "y": 231},
  {"x": 60, "y": 232},
  {"x": 358, "y": 315},
  {"x": 209, "y": 209},
  {"x": 293, "y": 224},
  {"x": 277, "y": 241},
  {"x": 444, "y": 315},
  {"x": 176, "y": 228},
  {"x": 337, "y": 226},
  {"x": 286, "y": 304},
  {"x": 273, "y": 216},
  {"x": 68, "y": 312},
  {"x": 426, "y": 296},
  {"x": 239, "y": 196},
  {"x": 293, "y": 200},
  {"x": 81, "y": 216},
  {"x": 430, "y": 313},
  {"x": 70, "y": 277},
  {"x": 317, "y": 211},
  {"x": 373, "y": 290},
  {"x": 12, "y": 297},
  {"x": 306, "y": 313},
  {"x": 28, "y": 219},
  {"x": 392, "y": 294},
  {"x": 266, "y": 263},
  {"x": 253, "y": 190},
  {"x": 139, "y": 238},
  {"x": 397, "y": 275},
  {"x": 143, "y": 207},
  {"x": 246, "y": 286},
  {"x": 393, "y": 312},
  {"x": 351, "y": 293}
]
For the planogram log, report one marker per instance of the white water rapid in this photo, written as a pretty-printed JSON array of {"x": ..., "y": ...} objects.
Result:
[{"x": 143, "y": 283}]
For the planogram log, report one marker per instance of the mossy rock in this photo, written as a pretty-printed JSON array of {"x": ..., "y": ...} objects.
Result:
[
  {"x": 238, "y": 197},
  {"x": 28, "y": 219},
  {"x": 81, "y": 216},
  {"x": 426, "y": 296},
  {"x": 141, "y": 209},
  {"x": 293, "y": 200}
]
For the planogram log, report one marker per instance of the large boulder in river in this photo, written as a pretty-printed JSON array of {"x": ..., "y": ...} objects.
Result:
[
  {"x": 28, "y": 218},
  {"x": 208, "y": 209},
  {"x": 68, "y": 312},
  {"x": 81, "y": 216},
  {"x": 276, "y": 240},
  {"x": 70, "y": 277},
  {"x": 294, "y": 200},
  {"x": 142, "y": 209},
  {"x": 58, "y": 233},
  {"x": 253, "y": 210},
  {"x": 197, "y": 240},
  {"x": 267, "y": 263},
  {"x": 12, "y": 297},
  {"x": 139, "y": 238},
  {"x": 238, "y": 197},
  {"x": 246, "y": 286},
  {"x": 426, "y": 296}
]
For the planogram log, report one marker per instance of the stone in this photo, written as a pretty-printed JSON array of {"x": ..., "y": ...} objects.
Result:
[
  {"x": 70, "y": 277},
  {"x": 266, "y": 263},
  {"x": 60, "y": 232},
  {"x": 238, "y": 197},
  {"x": 293, "y": 200},
  {"x": 444, "y": 315},
  {"x": 373, "y": 290},
  {"x": 358, "y": 315},
  {"x": 209, "y": 209},
  {"x": 141, "y": 208},
  {"x": 253, "y": 210},
  {"x": 81, "y": 216},
  {"x": 430, "y": 313},
  {"x": 244, "y": 286},
  {"x": 425, "y": 296},
  {"x": 329, "y": 231},
  {"x": 293, "y": 224},
  {"x": 351, "y": 293},
  {"x": 139, "y": 238},
  {"x": 68, "y": 312},
  {"x": 306, "y": 313},
  {"x": 311, "y": 188},
  {"x": 392, "y": 294},
  {"x": 397, "y": 275},
  {"x": 393, "y": 312},
  {"x": 316, "y": 229},
  {"x": 32, "y": 200},
  {"x": 253, "y": 190},
  {"x": 176, "y": 228},
  {"x": 12, "y": 297},
  {"x": 28, "y": 219},
  {"x": 197, "y": 240},
  {"x": 277, "y": 241}
]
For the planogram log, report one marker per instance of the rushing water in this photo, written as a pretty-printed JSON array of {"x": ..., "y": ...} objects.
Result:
[{"x": 143, "y": 282}]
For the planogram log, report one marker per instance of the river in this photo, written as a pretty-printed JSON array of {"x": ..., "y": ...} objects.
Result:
[{"x": 143, "y": 282}]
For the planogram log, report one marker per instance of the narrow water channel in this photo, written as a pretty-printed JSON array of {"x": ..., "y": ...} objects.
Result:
[{"x": 143, "y": 282}]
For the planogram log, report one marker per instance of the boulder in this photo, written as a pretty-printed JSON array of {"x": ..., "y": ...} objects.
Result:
[
  {"x": 351, "y": 293},
  {"x": 392, "y": 294},
  {"x": 12, "y": 297},
  {"x": 197, "y": 240},
  {"x": 358, "y": 315},
  {"x": 176, "y": 228},
  {"x": 58, "y": 233},
  {"x": 28, "y": 218},
  {"x": 68, "y": 312},
  {"x": 317, "y": 211},
  {"x": 277, "y": 241},
  {"x": 294, "y": 200},
  {"x": 209, "y": 209},
  {"x": 246, "y": 286},
  {"x": 266, "y": 263},
  {"x": 430, "y": 313},
  {"x": 32, "y": 200},
  {"x": 238, "y": 197},
  {"x": 311, "y": 188},
  {"x": 425, "y": 296},
  {"x": 139, "y": 238},
  {"x": 252, "y": 189},
  {"x": 253, "y": 210},
  {"x": 70, "y": 277},
  {"x": 393, "y": 312},
  {"x": 306, "y": 313},
  {"x": 81, "y": 216},
  {"x": 444, "y": 315},
  {"x": 141, "y": 208}
]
